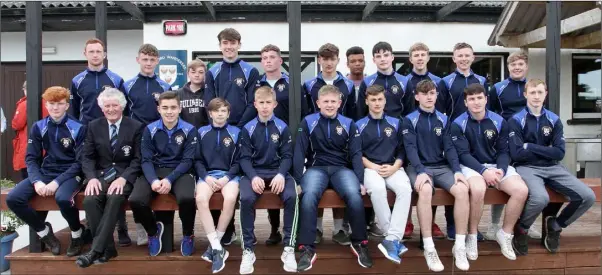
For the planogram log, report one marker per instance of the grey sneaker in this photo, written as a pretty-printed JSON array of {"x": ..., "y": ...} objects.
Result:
[
  {"x": 341, "y": 238},
  {"x": 319, "y": 236}
]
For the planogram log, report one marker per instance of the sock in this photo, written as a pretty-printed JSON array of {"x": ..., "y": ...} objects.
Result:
[
  {"x": 460, "y": 240},
  {"x": 44, "y": 232},
  {"x": 429, "y": 245},
  {"x": 219, "y": 235},
  {"x": 338, "y": 225},
  {"x": 472, "y": 236},
  {"x": 214, "y": 240},
  {"x": 320, "y": 225},
  {"x": 76, "y": 234}
]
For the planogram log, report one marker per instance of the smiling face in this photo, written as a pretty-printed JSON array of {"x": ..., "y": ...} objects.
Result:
[
  {"x": 329, "y": 103},
  {"x": 476, "y": 103},
  {"x": 112, "y": 109},
  {"x": 463, "y": 58},
  {"x": 169, "y": 109},
  {"x": 229, "y": 49},
  {"x": 518, "y": 69},
  {"x": 383, "y": 60},
  {"x": 419, "y": 59}
]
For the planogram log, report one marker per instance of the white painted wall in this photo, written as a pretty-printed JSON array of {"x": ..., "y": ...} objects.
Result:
[{"x": 122, "y": 48}]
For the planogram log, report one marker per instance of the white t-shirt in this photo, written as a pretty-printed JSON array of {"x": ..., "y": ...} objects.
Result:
[{"x": 272, "y": 82}]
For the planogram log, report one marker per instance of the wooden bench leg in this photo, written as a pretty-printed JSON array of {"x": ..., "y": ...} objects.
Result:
[
  {"x": 35, "y": 244},
  {"x": 168, "y": 235}
]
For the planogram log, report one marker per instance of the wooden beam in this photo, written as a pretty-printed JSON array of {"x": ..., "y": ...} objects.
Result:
[
  {"x": 293, "y": 12},
  {"x": 101, "y": 24},
  {"x": 568, "y": 25},
  {"x": 33, "y": 61},
  {"x": 210, "y": 9},
  {"x": 132, "y": 9},
  {"x": 449, "y": 9},
  {"x": 585, "y": 41},
  {"x": 553, "y": 33},
  {"x": 369, "y": 9}
]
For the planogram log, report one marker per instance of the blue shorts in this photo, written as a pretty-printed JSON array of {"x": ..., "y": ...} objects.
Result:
[{"x": 219, "y": 174}]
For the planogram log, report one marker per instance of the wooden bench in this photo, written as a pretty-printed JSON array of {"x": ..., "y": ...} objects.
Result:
[{"x": 270, "y": 201}]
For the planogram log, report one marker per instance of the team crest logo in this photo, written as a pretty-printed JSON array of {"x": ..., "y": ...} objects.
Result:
[
  {"x": 227, "y": 141},
  {"x": 66, "y": 142},
  {"x": 438, "y": 131},
  {"x": 388, "y": 131},
  {"x": 179, "y": 139},
  {"x": 156, "y": 95},
  {"x": 395, "y": 89},
  {"x": 339, "y": 130},
  {"x": 126, "y": 150},
  {"x": 489, "y": 134},
  {"x": 168, "y": 73},
  {"x": 280, "y": 87},
  {"x": 546, "y": 130},
  {"x": 239, "y": 82},
  {"x": 275, "y": 137}
]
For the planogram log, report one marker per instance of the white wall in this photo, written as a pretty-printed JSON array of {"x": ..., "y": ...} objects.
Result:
[{"x": 122, "y": 48}]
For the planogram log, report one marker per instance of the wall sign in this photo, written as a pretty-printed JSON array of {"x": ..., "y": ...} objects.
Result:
[
  {"x": 172, "y": 67},
  {"x": 174, "y": 27}
]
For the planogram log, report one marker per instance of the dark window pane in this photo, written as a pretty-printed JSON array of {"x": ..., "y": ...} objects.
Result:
[{"x": 586, "y": 84}]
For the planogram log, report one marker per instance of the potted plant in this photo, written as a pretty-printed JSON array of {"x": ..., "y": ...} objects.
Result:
[{"x": 9, "y": 223}]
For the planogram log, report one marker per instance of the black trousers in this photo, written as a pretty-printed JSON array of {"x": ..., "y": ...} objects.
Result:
[
  {"x": 102, "y": 212},
  {"x": 182, "y": 188}
]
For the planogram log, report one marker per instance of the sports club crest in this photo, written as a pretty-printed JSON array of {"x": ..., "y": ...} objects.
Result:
[
  {"x": 127, "y": 150},
  {"x": 275, "y": 137},
  {"x": 388, "y": 131},
  {"x": 489, "y": 133},
  {"x": 546, "y": 130},
  {"x": 168, "y": 73},
  {"x": 227, "y": 141},
  {"x": 179, "y": 139},
  {"x": 156, "y": 96},
  {"x": 240, "y": 82},
  {"x": 280, "y": 87},
  {"x": 395, "y": 89},
  {"x": 339, "y": 130},
  {"x": 438, "y": 131},
  {"x": 66, "y": 142}
]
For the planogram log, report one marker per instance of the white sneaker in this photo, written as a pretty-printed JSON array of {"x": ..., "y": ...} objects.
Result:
[
  {"x": 142, "y": 236},
  {"x": 472, "y": 252},
  {"x": 288, "y": 259},
  {"x": 505, "y": 242},
  {"x": 460, "y": 258},
  {"x": 433, "y": 261},
  {"x": 533, "y": 233},
  {"x": 248, "y": 259},
  {"x": 492, "y": 231}
]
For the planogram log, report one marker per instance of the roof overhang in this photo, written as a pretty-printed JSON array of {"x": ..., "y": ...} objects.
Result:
[{"x": 523, "y": 25}]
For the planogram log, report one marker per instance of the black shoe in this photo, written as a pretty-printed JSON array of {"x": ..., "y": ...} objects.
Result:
[
  {"x": 520, "y": 242},
  {"x": 75, "y": 247},
  {"x": 51, "y": 242},
  {"x": 87, "y": 259},
  {"x": 552, "y": 237},
  {"x": 124, "y": 238},
  {"x": 307, "y": 259},
  {"x": 274, "y": 239},
  {"x": 363, "y": 255},
  {"x": 228, "y": 239},
  {"x": 87, "y": 235},
  {"x": 110, "y": 253}
]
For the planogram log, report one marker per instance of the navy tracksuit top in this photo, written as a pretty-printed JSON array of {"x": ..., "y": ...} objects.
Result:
[
  {"x": 165, "y": 148},
  {"x": 310, "y": 93},
  {"x": 281, "y": 90},
  {"x": 427, "y": 141},
  {"x": 544, "y": 135},
  {"x": 414, "y": 78},
  {"x": 479, "y": 142},
  {"x": 217, "y": 150},
  {"x": 62, "y": 141},
  {"x": 266, "y": 146},
  {"x": 328, "y": 142},
  {"x": 400, "y": 100},
  {"x": 506, "y": 97},
  {"x": 236, "y": 83},
  {"x": 142, "y": 93},
  {"x": 382, "y": 142},
  {"x": 450, "y": 99},
  {"x": 85, "y": 88}
]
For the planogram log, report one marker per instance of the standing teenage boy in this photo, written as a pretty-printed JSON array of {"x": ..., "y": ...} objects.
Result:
[
  {"x": 536, "y": 147},
  {"x": 481, "y": 140},
  {"x": 191, "y": 95},
  {"x": 217, "y": 169}
]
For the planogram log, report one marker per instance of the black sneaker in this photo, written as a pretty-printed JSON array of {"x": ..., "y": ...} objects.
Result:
[
  {"x": 520, "y": 242},
  {"x": 552, "y": 238},
  {"x": 109, "y": 253},
  {"x": 229, "y": 239},
  {"x": 341, "y": 238},
  {"x": 307, "y": 259},
  {"x": 124, "y": 238},
  {"x": 274, "y": 239},
  {"x": 75, "y": 247},
  {"x": 51, "y": 242},
  {"x": 363, "y": 255},
  {"x": 319, "y": 236},
  {"x": 87, "y": 259}
]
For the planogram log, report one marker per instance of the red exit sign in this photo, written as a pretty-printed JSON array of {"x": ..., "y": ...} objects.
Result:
[{"x": 174, "y": 27}]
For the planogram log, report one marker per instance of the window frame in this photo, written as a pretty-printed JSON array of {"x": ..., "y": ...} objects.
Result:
[{"x": 574, "y": 96}]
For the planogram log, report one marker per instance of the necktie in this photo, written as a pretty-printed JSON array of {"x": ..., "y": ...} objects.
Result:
[{"x": 113, "y": 137}]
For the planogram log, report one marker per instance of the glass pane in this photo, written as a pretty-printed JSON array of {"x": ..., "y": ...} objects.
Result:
[{"x": 586, "y": 85}]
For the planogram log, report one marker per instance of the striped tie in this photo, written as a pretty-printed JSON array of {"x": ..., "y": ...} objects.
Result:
[{"x": 113, "y": 137}]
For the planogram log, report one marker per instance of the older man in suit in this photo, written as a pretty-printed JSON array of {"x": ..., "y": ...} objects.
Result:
[{"x": 111, "y": 164}]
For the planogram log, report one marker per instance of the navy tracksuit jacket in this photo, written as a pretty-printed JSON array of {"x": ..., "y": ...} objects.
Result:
[
  {"x": 506, "y": 97},
  {"x": 142, "y": 93},
  {"x": 400, "y": 100},
  {"x": 310, "y": 94},
  {"x": 382, "y": 142},
  {"x": 450, "y": 99},
  {"x": 217, "y": 150},
  {"x": 281, "y": 90},
  {"x": 85, "y": 88}
]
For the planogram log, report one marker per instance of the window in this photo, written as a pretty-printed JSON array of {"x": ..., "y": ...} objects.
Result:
[
  {"x": 309, "y": 64},
  {"x": 586, "y": 86}
]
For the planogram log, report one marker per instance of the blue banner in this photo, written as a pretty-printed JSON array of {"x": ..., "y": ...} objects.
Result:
[{"x": 172, "y": 67}]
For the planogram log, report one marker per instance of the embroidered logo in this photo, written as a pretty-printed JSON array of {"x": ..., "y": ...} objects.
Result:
[
  {"x": 339, "y": 130},
  {"x": 275, "y": 137},
  {"x": 156, "y": 95},
  {"x": 546, "y": 130},
  {"x": 438, "y": 131},
  {"x": 395, "y": 89},
  {"x": 227, "y": 141},
  {"x": 489, "y": 134},
  {"x": 280, "y": 87},
  {"x": 179, "y": 139},
  {"x": 388, "y": 131},
  {"x": 126, "y": 150},
  {"x": 239, "y": 82},
  {"x": 66, "y": 142}
]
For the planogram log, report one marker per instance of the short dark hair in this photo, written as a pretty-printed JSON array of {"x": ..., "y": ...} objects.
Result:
[
  {"x": 424, "y": 86},
  {"x": 382, "y": 46},
  {"x": 169, "y": 95},
  {"x": 328, "y": 50},
  {"x": 375, "y": 90},
  {"x": 474, "y": 89},
  {"x": 354, "y": 50},
  {"x": 217, "y": 103},
  {"x": 149, "y": 49},
  {"x": 229, "y": 34},
  {"x": 269, "y": 48}
]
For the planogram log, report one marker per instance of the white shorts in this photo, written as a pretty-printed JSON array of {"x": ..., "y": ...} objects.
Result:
[{"x": 469, "y": 173}]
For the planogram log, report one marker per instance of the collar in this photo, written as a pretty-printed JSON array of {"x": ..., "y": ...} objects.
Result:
[
  {"x": 102, "y": 70},
  {"x": 329, "y": 118},
  {"x": 187, "y": 88},
  {"x": 521, "y": 81},
  {"x": 236, "y": 61},
  {"x": 426, "y": 112},
  {"x": 63, "y": 120},
  {"x": 339, "y": 76},
  {"x": 414, "y": 73},
  {"x": 372, "y": 118},
  {"x": 219, "y": 128},
  {"x": 176, "y": 127},
  {"x": 147, "y": 77},
  {"x": 264, "y": 77},
  {"x": 474, "y": 119},
  {"x": 462, "y": 75},
  {"x": 382, "y": 74},
  {"x": 543, "y": 112},
  {"x": 118, "y": 123},
  {"x": 270, "y": 119}
]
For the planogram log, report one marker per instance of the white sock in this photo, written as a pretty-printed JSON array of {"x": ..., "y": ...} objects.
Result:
[
  {"x": 429, "y": 245},
  {"x": 472, "y": 237},
  {"x": 76, "y": 234},
  {"x": 460, "y": 241},
  {"x": 44, "y": 232},
  {"x": 219, "y": 235},
  {"x": 214, "y": 240},
  {"x": 319, "y": 225},
  {"x": 501, "y": 231},
  {"x": 338, "y": 225}
]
